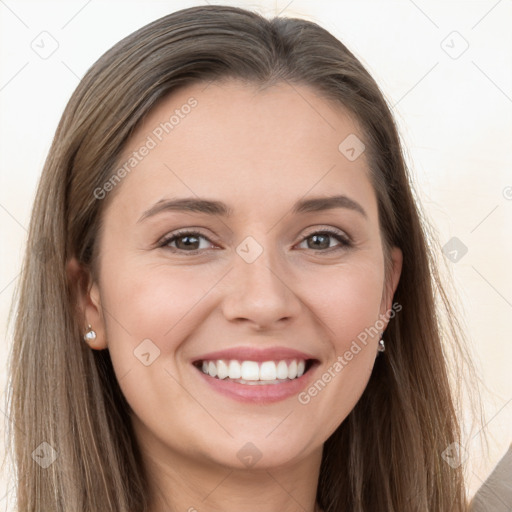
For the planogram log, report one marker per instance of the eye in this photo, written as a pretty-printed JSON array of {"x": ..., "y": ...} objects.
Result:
[
  {"x": 190, "y": 241},
  {"x": 187, "y": 241},
  {"x": 320, "y": 240}
]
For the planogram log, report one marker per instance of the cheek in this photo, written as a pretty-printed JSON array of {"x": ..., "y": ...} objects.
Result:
[
  {"x": 153, "y": 301},
  {"x": 347, "y": 303},
  {"x": 168, "y": 307},
  {"x": 347, "y": 299},
  {"x": 149, "y": 310}
]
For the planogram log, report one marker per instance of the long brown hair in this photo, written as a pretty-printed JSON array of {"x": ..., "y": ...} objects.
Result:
[{"x": 387, "y": 455}]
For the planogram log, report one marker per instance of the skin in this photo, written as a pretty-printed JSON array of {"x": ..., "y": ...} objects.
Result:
[{"x": 259, "y": 152}]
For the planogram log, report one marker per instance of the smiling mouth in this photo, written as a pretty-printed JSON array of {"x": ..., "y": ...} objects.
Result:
[{"x": 254, "y": 372}]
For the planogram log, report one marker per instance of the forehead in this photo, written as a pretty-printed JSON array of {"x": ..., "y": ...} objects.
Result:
[{"x": 234, "y": 140}]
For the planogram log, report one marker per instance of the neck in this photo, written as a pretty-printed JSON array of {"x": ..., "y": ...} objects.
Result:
[{"x": 180, "y": 483}]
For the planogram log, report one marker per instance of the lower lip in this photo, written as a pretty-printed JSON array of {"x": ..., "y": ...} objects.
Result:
[{"x": 259, "y": 393}]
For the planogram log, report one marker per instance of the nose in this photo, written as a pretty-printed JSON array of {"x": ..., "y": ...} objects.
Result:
[{"x": 260, "y": 293}]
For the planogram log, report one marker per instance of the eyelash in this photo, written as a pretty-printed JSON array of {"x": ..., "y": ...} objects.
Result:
[{"x": 345, "y": 242}]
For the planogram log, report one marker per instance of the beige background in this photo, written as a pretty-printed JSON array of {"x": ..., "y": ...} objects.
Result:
[{"x": 454, "y": 112}]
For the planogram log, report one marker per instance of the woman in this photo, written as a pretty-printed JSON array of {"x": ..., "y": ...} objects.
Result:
[{"x": 227, "y": 300}]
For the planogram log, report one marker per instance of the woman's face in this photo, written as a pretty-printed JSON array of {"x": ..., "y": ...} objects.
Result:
[{"x": 271, "y": 278}]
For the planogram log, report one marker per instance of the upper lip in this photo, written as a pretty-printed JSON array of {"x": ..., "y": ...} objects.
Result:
[{"x": 255, "y": 354}]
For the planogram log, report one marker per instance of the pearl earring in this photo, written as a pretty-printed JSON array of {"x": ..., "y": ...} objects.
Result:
[
  {"x": 382, "y": 346},
  {"x": 90, "y": 335}
]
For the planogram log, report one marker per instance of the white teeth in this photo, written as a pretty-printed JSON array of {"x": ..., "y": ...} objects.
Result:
[
  {"x": 222, "y": 370},
  {"x": 282, "y": 370},
  {"x": 212, "y": 369},
  {"x": 268, "y": 371},
  {"x": 292, "y": 370},
  {"x": 250, "y": 371},
  {"x": 235, "y": 372}
]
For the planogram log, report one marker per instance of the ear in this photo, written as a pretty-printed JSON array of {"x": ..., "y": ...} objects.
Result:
[
  {"x": 88, "y": 302},
  {"x": 392, "y": 279}
]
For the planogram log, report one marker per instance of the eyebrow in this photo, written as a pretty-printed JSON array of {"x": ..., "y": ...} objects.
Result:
[{"x": 212, "y": 207}]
